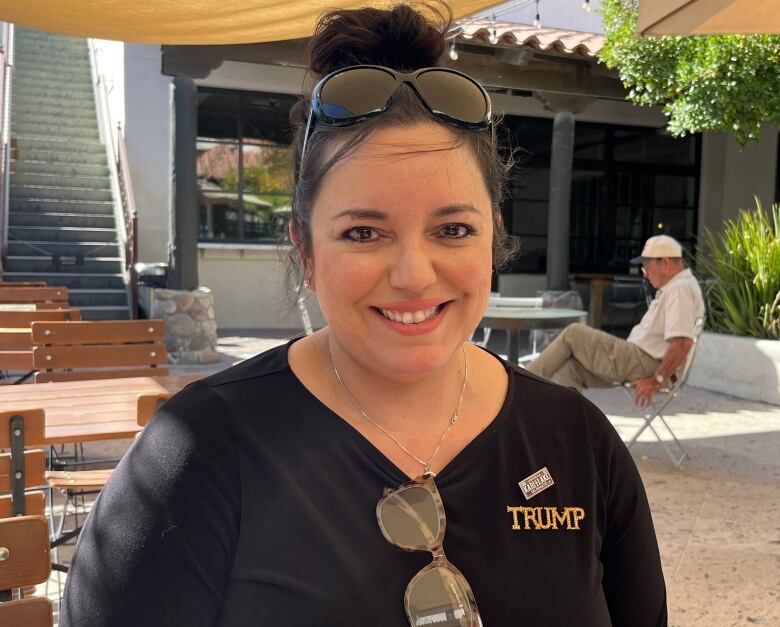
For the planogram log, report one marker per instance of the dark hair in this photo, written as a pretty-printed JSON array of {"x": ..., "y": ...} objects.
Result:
[{"x": 402, "y": 38}]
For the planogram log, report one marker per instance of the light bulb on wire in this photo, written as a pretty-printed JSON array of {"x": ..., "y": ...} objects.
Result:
[
  {"x": 537, "y": 20},
  {"x": 493, "y": 39},
  {"x": 586, "y": 6},
  {"x": 453, "y": 52}
]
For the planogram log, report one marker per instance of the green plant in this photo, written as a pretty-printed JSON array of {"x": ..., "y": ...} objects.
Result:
[
  {"x": 744, "y": 260},
  {"x": 705, "y": 83}
]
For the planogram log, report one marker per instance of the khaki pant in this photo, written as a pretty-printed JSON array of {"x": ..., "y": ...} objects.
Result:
[{"x": 584, "y": 357}]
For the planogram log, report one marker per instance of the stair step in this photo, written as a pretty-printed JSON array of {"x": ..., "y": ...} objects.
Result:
[
  {"x": 62, "y": 169},
  {"x": 72, "y": 280},
  {"x": 43, "y": 95},
  {"x": 79, "y": 82},
  {"x": 25, "y": 264},
  {"x": 65, "y": 193},
  {"x": 59, "y": 180},
  {"x": 56, "y": 92},
  {"x": 56, "y": 144},
  {"x": 65, "y": 206},
  {"x": 48, "y": 67},
  {"x": 70, "y": 249},
  {"x": 51, "y": 219},
  {"x": 105, "y": 313},
  {"x": 88, "y": 122},
  {"x": 97, "y": 298},
  {"x": 64, "y": 234},
  {"x": 52, "y": 107},
  {"x": 50, "y": 49},
  {"x": 61, "y": 157},
  {"x": 71, "y": 117},
  {"x": 50, "y": 128}
]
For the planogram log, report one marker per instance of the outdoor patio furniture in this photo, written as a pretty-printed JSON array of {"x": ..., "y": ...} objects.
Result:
[
  {"x": 24, "y": 547},
  {"x": 661, "y": 401},
  {"x": 41, "y": 297},
  {"x": 69, "y": 351}
]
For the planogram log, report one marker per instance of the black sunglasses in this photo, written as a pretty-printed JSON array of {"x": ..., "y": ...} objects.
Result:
[
  {"x": 412, "y": 518},
  {"x": 357, "y": 93}
]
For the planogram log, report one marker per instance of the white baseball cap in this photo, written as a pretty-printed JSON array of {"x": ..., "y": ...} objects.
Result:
[{"x": 659, "y": 246}]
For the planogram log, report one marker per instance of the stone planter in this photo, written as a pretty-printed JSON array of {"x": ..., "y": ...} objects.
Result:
[
  {"x": 739, "y": 366},
  {"x": 190, "y": 327}
]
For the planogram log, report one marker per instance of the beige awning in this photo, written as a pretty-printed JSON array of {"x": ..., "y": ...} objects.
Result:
[
  {"x": 197, "y": 22},
  {"x": 708, "y": 17}
]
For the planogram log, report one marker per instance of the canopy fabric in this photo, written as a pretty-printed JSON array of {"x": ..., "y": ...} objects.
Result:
[
  {"x": 197, "y": 22},
  {"x": 708, "y": 17}
]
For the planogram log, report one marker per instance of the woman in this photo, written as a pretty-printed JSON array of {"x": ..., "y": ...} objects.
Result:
[{"x": 313, "y": 484}]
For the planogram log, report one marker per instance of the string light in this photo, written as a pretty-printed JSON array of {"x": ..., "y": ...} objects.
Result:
[
  {"x": 586, "y": 5},
  {"x": 537, "y": 21},
  {"x": 493, "y": 39},
  {"x": 453, "y": 52}
]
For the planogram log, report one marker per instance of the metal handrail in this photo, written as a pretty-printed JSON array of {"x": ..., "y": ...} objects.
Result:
[
  {"x": 128, "y": 209},
  {"x": 5, "y": 140}
]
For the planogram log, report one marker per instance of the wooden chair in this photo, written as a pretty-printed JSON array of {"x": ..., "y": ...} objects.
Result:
[
  {"x": 41, "y": 297},
  {"x": 24, "y": 561},
  {"x": 16, "y": 354},
  {"x": 21, "y": 470},
  {"x": 71, "y": 351}
]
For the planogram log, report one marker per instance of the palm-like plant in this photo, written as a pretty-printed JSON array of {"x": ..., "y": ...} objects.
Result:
[{"x": 744, "y": 259}]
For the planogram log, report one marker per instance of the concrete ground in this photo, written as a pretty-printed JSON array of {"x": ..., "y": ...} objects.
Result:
[{"x": 717, "y": 517}]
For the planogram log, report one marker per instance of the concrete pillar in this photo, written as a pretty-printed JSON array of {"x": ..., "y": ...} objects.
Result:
[
  {"x": 183, "y": 245},
  {"x": 560, "y": 201}
]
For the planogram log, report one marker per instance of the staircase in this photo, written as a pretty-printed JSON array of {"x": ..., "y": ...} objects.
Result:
[{"x": 61, "y": 213}]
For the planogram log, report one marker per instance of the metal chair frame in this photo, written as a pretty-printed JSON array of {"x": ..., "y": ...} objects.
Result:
[{"x": 658, "y": 407}]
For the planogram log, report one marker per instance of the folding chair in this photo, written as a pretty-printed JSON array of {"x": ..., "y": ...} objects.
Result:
[
  {"x": 667, "y": 394},
  {"x": 24, "y": 562}
]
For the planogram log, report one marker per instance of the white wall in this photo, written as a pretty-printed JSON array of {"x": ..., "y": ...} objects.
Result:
[
  {"x": 731, "y": 176},
  {"x": 148, "y": 131},
  {"x": 110, "y": 60},
  {"x": 563, "y": 14},
  {"x": 249, "y": 287}
]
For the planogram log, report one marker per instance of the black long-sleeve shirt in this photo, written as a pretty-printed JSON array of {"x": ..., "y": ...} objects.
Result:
[{"x": 246, "y": 501}]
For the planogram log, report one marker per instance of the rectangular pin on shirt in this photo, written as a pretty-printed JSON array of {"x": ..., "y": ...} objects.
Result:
[{"x": 536, "y": 483}]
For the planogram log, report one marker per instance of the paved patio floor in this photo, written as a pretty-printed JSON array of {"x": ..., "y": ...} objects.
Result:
[{"x": 717, "y": 517}]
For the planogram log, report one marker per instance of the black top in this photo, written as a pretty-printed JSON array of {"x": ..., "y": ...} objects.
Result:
[{"x": 246, "y": 501}]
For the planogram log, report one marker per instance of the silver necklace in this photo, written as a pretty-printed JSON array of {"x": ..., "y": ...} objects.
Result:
[{"x": 426, "y": 464}]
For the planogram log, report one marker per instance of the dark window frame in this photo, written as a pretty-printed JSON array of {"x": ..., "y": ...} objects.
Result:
[{"x": 239, "y": 143}]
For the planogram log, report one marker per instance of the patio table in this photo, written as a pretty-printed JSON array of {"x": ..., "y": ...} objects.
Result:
[
  {"x": 97, "y": 409},
  {"x": 516, "y": 319}
]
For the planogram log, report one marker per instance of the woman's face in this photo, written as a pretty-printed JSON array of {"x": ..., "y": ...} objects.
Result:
[{"x": 401, "y": 254}]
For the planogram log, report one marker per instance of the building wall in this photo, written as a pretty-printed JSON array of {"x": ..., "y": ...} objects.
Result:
[
  {"x": 248, "y": 283},
  {"x": 148, "y": 132},
  {"x": 731, "y": 176}
]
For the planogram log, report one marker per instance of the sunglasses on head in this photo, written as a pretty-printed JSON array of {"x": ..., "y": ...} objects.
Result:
[
  {"x": 412, "y": 518},
  {"x": 355, "y": 94}
]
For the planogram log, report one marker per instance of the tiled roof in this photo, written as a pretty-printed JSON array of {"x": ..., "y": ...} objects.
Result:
[{"x": 525, "y": 35}]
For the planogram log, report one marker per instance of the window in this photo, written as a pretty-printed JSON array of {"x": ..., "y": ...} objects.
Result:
[
  {"x": 244, "y": 165},
  {"x": 627, "y": 184}
]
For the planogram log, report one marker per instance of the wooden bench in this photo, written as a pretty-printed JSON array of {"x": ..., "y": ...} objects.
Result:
[
  {"x": 26, "y": 561},
  {"x": 22, "y": 284},
  {"x": 41, "y": 297},
  {"x": 71, "y": 351}
]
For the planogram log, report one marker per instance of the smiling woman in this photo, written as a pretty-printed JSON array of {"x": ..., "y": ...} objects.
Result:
[{"x": 314, "y": 483}]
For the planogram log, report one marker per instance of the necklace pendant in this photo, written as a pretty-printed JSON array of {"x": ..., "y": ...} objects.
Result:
[{"x": 427, "y": 472}]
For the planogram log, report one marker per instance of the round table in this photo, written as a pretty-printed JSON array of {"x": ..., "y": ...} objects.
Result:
[{"x": 516, "y": 319}]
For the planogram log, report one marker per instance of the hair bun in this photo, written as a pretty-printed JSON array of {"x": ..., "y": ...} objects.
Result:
[{"x": 402, "y": 37}]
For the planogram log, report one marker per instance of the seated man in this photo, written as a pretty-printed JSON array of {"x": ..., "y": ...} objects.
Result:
[{"x": 584, "y": 357}]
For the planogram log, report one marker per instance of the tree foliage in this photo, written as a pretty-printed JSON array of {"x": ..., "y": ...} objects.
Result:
[{"x": 725, "y": 83}]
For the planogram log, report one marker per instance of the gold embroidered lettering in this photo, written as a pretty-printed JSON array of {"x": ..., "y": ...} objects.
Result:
[
  {"x": 546, "y": 510},
  {"x": 545, "y": 518},
  {"x": 529, "y": 513},
  {"x": 515, "y": 522},
  {"x": 561, "y": 518}
]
